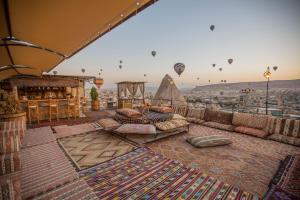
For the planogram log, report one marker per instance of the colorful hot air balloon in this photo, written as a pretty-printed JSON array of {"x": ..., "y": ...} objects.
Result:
[
  {"x": 83, "y": 70},
  {"x": 230, "y": 60},
  {"x": 212, "y": 27},
  {"x": 275, "y": 68},
  {"x": 179, "y": 68},
  {"x": 153, "y": 53},
  {"x": 213, "y": 65},
  {"x": 120, "y": 66},
  {"x": 54, "y": 72},
  {"x": 220, "y": 69}
]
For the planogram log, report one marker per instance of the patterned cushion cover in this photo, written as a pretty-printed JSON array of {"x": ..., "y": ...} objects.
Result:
[
  {"x": 196, "y": 113},
  {"x": 194, "y": 120},
  {"x": 9, "y": 144},
  {"x": 171, "y": 124},
  {"x": 217, "y": 125},
  {"x": 285, "y": 139},
  {"x": 109, "y": 124},
  {"x": 137, "y": 129},
  {"x": 177, "y": 116},
  {"x": 292, "y": 128},
  {"x": 161, "y": 109},
  {"x": 208, "y": 141},
  {"x": 10, "y": 163},
  {"x": 129, "y": 112},
  {"x": 251, "y": 131},
  {"x": 250, "y": 120},
  {"x": 218, "y": 116},
  {"x": 10, "y": 188}
]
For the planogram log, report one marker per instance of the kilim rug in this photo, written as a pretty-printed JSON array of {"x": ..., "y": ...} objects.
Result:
[
  {"x": 66, "y": 131},
  {"x": 37, "y": 136},
  {"x": 77, "y": 189},
  {"x": 143, "y": 174},
  {"x": 44, "y": 167},
  {"x": 89, "y": 149}
]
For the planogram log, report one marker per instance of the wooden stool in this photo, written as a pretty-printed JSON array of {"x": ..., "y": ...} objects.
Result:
[
  {"x": 53, "y": 106},
  {"x": 72, "y": 107},
  {"x": 33, "y": 109}
]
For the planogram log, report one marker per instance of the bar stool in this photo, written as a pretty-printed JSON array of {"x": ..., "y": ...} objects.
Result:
[
  {"x": 33, "y": 109},
  {"x": 72, "y": 107},
  {"x": 53, "y": 109}
]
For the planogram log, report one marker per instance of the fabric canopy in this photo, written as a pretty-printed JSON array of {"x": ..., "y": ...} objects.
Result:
[{"x": 35, "y": 36}]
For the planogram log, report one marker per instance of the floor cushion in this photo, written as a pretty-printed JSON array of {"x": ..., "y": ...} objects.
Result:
[
  {"x": 10, "y": 163},
  {"x": 128, "y": 112},
  {"x": 177, "y": 116},
  {"x": 171, "y": 124},
  {"x": 109, "y": 123},
  {"x": 10, "y": 188},
  {"x": 208, "y": 141},
  {"x": 251, "y": 131},
  {"x": 291, "y": 128},
  {"x": 285, "y": 139},
  {"x": 194, "y": 120},
  {"x": 218, "y": 116},
  {"x": 9, "y": 144},
  {"x": 161, "y": 109},
  {"x": 217, "y": 125},
  {"x": 137, "y": 129}
]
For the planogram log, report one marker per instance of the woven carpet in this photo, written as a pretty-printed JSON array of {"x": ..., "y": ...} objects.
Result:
[
  {"x": 44, "y": 167},
  {"x": 77, "y": 189},
  {"x": 37, "y": 136},
  {"x": 66, "y": 131},
  {"x": 93, "y": 148},
  {"x": 142, "y": 174}
]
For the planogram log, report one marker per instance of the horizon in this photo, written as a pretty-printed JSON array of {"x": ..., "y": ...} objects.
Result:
[{"x": 255, "y": 34}]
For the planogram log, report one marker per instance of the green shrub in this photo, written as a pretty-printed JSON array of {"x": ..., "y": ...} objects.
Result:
[{"x": 94, "y": 94}]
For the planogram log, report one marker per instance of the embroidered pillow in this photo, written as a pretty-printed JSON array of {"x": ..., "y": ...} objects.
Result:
[
  {"x": 137, "y": 129},
  {"x": 108, "y": 123},
  {"x": 131, "y": 113}
]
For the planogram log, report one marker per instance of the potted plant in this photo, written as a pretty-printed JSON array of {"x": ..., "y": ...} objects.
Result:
[{"x": 95, "y": 101}]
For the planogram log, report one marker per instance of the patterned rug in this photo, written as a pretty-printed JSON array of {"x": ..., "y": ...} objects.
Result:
[
  {"x": 44, "y": 167},
  {"x": 66, "y": 131},
  {"x": 249, "y": 162},
  {"x": 77, "y": 189},
  {"x": 38, "y": 136},
  {"x": 89, "y": 149},
  {"x": 143, "y": 174}
]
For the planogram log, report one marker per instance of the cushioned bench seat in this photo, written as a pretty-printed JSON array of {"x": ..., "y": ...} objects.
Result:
[{"x": 226, "y": 127}]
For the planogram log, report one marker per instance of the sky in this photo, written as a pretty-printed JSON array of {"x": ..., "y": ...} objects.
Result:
[{"x": 255, "y": 33}]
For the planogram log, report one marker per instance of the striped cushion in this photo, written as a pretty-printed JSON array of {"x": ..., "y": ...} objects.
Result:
[
  {"x": 291, "y": 128},
  {"x": 10, "y": 189},
  {"x": 279, "y": 125},
  {"x": 10, "y": 163},
  {"x": 208, "y": 141},
  {"x": 285, "y": 139},
  {"x": 109, "y": 123},
  {"x": 9, "y": 144},
  {"x": 171, "y": 125}
]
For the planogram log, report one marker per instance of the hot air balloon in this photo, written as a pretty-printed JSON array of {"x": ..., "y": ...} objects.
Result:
[
  {"x": 83, "y": 70},
  {"x": 179, "y": 68},
  {"x": 230, "y": 60},
  {"x": 209, "y": 81},
  {"x": 121, "y": 61},
  {"x": 153, "y": 53},
  {"x": 212, "y": 27},
  {"x": 120, "y": 66},
  {"x": 101, "y": 70},
  {"x": 213, "y": 65},
  {"x": 198, "y": 78},
  {"x": 221, "y": 81},
  {"x": 224, "y": 81},
  {"x": 145, "y": 75},
  {"x": 220, "y": 69},
  {"x": 275, "y": 68},
  {"x": 54, "y": 72}
]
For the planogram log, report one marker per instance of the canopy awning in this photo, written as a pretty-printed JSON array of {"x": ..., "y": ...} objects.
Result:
[{"x": 35, "y": 36}]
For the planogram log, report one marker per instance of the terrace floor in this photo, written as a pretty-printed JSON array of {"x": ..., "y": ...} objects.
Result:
[{"x": 248, "y": 163}]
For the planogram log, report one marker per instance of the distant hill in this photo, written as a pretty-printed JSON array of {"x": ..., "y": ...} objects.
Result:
[{"x": 261, "y": 85}]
